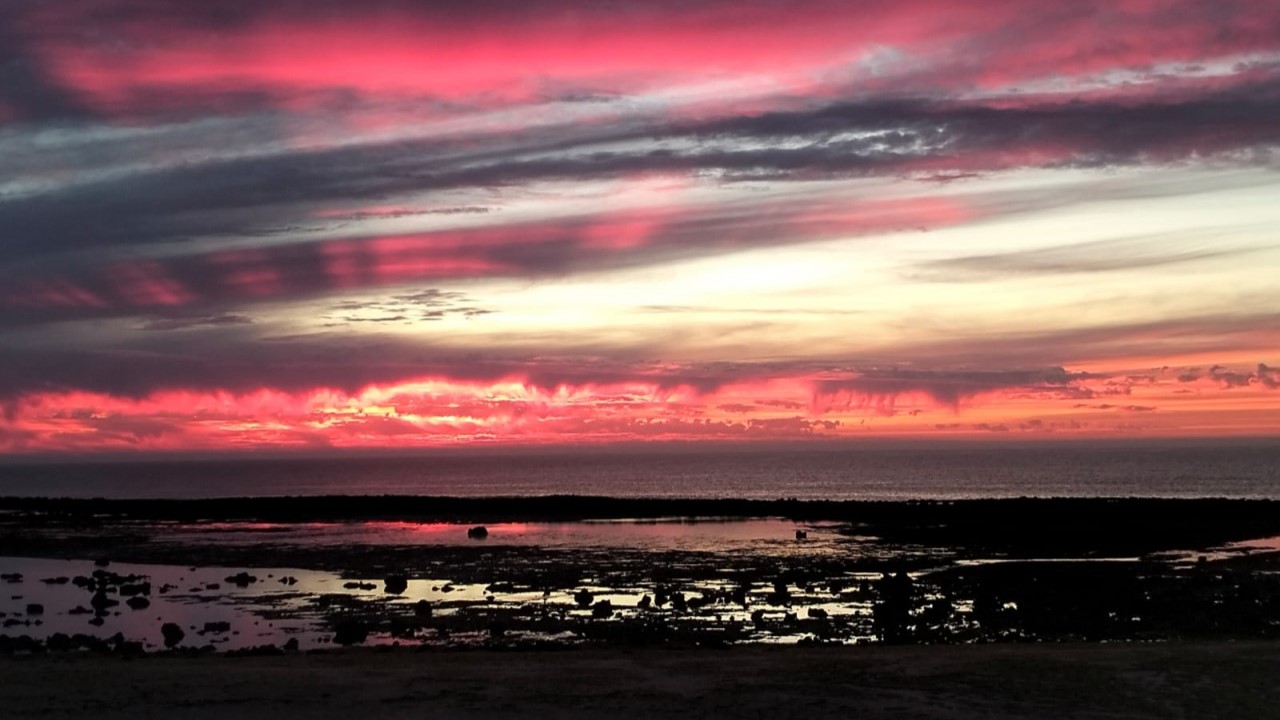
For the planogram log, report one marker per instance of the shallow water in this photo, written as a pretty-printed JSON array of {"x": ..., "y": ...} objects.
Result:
[
  {"x": 685, "y": 534},
  {"x": 268, "y": 611}
]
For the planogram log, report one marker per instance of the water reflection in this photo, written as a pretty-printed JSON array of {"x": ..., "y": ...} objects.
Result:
[{"x": 685, "y": 534}]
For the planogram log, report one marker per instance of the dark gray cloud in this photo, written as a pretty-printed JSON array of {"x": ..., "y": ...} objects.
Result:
[
  {"x": 1263, "y": 376},
  {"x": 1089, "y": 257},
  {"x": 187, "y": 322},
  {"x": 880, "y": 389},
  {"x": 239, "y": 196}
]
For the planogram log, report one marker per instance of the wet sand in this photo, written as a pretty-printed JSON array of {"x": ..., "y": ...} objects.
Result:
[{"x": 1177, "y": 680}]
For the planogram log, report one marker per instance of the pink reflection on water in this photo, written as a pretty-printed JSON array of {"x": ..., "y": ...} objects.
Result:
[{"x": 697, "y": 534}]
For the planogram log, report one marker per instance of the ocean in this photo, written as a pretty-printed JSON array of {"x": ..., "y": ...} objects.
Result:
[{"x": 1130, "y": 469}]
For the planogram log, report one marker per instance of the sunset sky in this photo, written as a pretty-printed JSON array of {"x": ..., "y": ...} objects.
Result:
[{"x": 308, "y": 224}]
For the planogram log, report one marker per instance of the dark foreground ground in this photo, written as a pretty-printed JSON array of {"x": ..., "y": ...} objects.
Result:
[{"x": 1174, "y": 680}]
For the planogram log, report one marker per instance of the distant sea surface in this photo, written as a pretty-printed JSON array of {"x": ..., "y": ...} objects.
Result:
[{"x": 1250, "y": 470}]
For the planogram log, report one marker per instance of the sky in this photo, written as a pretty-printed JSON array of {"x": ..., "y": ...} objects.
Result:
[{"x": 302, "y": 224}]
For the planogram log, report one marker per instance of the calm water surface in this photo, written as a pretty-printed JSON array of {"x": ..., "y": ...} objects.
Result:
[{"x": 1249, "y": 470}]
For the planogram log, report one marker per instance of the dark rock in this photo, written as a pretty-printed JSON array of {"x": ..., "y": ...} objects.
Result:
[
  {"x": 478, "y": 532},
  {"x": 644, "y": 603},
  {"x": 101, "y": 602},
  {"x": 354, "y": 585},
  {"x": 35, "y": 609},
  {"x": 59, "y": 642},
  {"x": 97, "y": 621},
  {"x": 89, "y": 642},
  {"x": 138, "y": 602},
  {"x": 19, "y": 644},
  {"x": 56, "y": 581},
  {"x": 79, "y": 610},
  {"x": 81, "y": 581},
  {"x": 241, "y": 579},
  {"x": 602, "y": 610},
  {"x": 288, "y": 580},
  {"x": 217, "y": 627},
  {"x": 818, "y": 613},
  {"x": 291, "y": 645},
  {"x": 583, "y": 597},
  {"x": 350, "y": 632},
  {"x": 102, "y": 562},
  {"x": 256, "y": 651},
  {"x": 422, "y": 609},
  {"x": 136, "y": 589},
  {"x": 802, "y": 535},
  {"x": 212, "y": 586},
  {"x": 130, "y": 648},
  {"x": 396, "y": 584},
  {"x": 173, "y": 634},
  {"x": 11, "y": 577}
]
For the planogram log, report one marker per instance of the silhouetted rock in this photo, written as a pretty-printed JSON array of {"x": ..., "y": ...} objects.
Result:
[
  {"x": 56, "y": 580},
  {"x": 138, "y": 602},
  {"x": 173, "y": 634},
  {"x": 97, "y": 621},
  {"x": 241, "y": 579},
  {"x": 350, "y": 632},
  {"x": 396, "y": 584},
  {"x": 644, "y": 603},
  {"x": 59, "y": 642},
  {"x": 602, "y": 610},
  {"x": 891, "y": 616},
  {"x": 256, "y": 651},
  {"x": 11, "y": 577},
  {"x": 288, "y": 580},
  {"x": 102, "y": 562},
  {"x": 291, "y": 645},
  {"x": 583, "y": 597},
  {"x": 478, "y": 532},
  {"x": 356, "y": 585},
  {"x": 101, "y": 602},
  {"x": 35, "y": 609},
  {"x": 217, "y": 627},
  {"x": 818, "y": 613},
  {"x": 802, "y": 535},
  {"x": 135, "y": 589},
  {"x": 79, "y": 610},
  {"x": 422, "y": 609},
  {"x": 129, "y": 648}
]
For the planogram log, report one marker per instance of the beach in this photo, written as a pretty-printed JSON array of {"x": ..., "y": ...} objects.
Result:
[{"x": 1133, "y": 681}]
